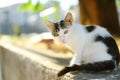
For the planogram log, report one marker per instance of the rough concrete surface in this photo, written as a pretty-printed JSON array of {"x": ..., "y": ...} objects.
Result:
[{"x": 21, "y": 64}]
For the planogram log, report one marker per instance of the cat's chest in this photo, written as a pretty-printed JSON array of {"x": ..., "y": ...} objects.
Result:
[
  {"x": 76, "y": 40},
  {"x": 75, "y": 43}
]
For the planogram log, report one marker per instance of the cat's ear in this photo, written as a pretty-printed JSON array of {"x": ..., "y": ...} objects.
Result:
[
  {"x": 68, "y": 19},
  {"x": 49, "y": 25}
]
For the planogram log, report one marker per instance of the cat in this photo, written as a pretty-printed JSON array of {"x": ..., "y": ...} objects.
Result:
[{"x": 94, "y": 47}]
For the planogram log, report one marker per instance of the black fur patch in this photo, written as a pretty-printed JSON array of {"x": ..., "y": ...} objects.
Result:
[
  {"x": 68, "y": 69},
  {"x": 90, "y": 28},
  {"x": 56, "y": 25},
  {"x": 112, "y": 47},
  {"x": 90, "y": 67},
  {"x": 98, "y": 66},
  {"x": 62, "y": 25},
  {"x": 59, "y": 25}
]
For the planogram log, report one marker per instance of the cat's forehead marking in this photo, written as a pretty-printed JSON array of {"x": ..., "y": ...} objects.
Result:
[
  {"x": 90, "y": 28},
  {"x": 56, "y": 25},
  {"x": 62, "y": 24},
  {"x": 59, "y": 25}
]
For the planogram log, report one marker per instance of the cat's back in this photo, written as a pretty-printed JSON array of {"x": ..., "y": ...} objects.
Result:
[
  {"x": 90, "y": 29},
  {"x": 77, "y": 28},
  {"x": 96, "y": 30},
  {"x": 88, "y": 32},
  {"x": 101, "y": 31}
]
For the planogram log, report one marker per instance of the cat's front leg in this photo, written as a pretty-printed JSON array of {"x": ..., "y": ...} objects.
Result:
[
  {"x": 72, "y": 61},
  {"x": 76, "y": 59}
]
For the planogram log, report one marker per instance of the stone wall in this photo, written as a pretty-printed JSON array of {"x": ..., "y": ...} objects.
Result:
[{"x": 21, "y": 64}]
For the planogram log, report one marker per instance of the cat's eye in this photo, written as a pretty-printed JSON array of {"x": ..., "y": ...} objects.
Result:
[
  {"x": 66, "y": 31},
  {"x": 55, "y": 34}
]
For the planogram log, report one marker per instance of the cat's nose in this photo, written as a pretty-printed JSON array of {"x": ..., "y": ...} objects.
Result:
[
  {"x": 62, "y": 38},
  {"x": 63, "y": 41}
]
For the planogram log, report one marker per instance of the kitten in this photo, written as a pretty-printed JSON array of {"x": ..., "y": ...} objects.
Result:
[{"x": 94, "y": 47}]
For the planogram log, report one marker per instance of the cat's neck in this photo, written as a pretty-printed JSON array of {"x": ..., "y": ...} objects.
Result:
[
  {"x": 76, "y": 28},
  {"x": 76, "y": 35}
]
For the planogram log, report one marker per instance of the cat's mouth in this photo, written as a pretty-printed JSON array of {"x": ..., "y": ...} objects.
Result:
[{"x": 63, "y": 41}]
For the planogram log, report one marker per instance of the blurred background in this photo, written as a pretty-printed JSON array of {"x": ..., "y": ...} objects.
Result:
[
  {"x": 26, "y": 17},
  {"x": 22, "y": 25}
]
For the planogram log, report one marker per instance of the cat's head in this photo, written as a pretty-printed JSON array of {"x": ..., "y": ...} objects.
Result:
[{"x": 60, "y": 29}]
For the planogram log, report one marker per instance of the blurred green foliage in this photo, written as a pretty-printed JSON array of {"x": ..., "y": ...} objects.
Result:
[
  {"x": 56, "y": 10},
  {"x": 31, "y": 7},
  {"x": 118, "y": 2},
  {"x": 28, "y": 6}
]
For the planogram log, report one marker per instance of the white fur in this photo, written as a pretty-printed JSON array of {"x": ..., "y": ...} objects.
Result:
[{"x": 83, "y": 45}]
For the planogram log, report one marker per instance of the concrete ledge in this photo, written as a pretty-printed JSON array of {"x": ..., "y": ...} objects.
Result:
[{"x": 21, "y": 64}]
